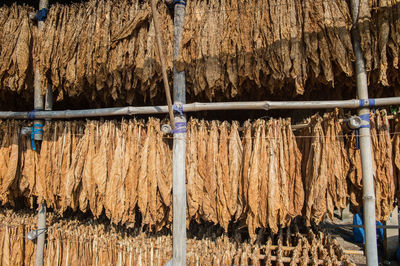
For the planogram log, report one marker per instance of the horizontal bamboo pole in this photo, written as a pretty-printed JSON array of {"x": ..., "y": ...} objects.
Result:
[
  {"x": 287, "y": 248},
  {"x": 305, "y": 125},
  {"x": 288, "y": 259},
  {"x": 359, "y": 226},
  {"x": 354, "y": 252},
  {"x": 300, "y": 126},
  {"x": 195, "y": 107}
]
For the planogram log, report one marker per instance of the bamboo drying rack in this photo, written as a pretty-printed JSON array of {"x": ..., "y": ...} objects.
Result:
[
  {"x": 197, "y": 107},
  {"x": 363, "y": 104}
]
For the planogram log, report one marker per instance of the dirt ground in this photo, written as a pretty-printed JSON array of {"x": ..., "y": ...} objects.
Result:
[{"x": 344, "y": 235}]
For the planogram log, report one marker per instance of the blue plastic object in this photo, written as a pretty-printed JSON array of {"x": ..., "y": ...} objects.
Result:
[
  {"x": 358, "y": 232},
  {"x": 42, "y": 14},
  {"x": 379, "y": 232}
]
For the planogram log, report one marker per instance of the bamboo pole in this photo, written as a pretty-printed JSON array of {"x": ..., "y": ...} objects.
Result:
[
  {"x": 353, "y": 252},
  {"x": 162, "y": 60},
  {"x": 179, "y": 148},
  {"x": 288, "y": 259},
  {"x": 37, "y": 125},
  {"x": 287, "y": 248},
  {"x": 41, "y": 235},
  {"x": 365, "y": 146},
  {"x": 359, "y": 226},
  {"x": 196, "y": 107},
  {"x": 37, "y": 94}
]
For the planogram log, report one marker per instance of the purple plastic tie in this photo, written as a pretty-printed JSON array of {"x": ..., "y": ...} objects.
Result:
[
  {"x": 180, "y": 127},
  {"x": 31, "y": 115},
  {"x": 178, "y": 108}
]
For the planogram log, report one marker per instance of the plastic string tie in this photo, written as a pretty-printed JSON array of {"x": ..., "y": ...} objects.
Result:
[
  {"x": 180, "y": 127},
  {"x": 31, "y": 115},
  {"x": 32, "y": 235},
  {"x": 40, "y": 231},
  {"x": 369, "y": 103},
  {"x": 37, "y": 129},
  {"x": 357, "y": 140},
  {"x": 372, "y": 104},
  {"x": 365, "y": 118},
  {"x": 33, "y": 141},
  {"x": 178, "y": 108},
  {"x": 347, "y": 124},
  {"x": 41, "y": 15},
  {"x": 180, "y": 2}
]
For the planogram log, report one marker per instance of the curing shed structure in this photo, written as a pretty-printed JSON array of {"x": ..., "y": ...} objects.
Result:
[{"x": 282, "y": 114}]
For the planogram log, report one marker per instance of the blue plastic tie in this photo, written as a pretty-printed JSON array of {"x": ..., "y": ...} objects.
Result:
[
  {"x": 180, "y": 2},
  {"x": 41, "y": 15},
  {"x": 347, "y": 124},
  {"x": 368, "y": 102},
  {"x": 180, "y": 127},
  {"x": 357, "y": 140},
  {"x": 36, "y": 130},
  {"x": 178, "y": 108},
  {"x": 31, "y": 115},
  {"x": 371, "y": 102},
  {"x": 365, "y": 118}
]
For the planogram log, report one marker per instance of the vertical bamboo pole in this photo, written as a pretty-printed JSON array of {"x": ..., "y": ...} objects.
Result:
[
  {"x": 38, "y": 105},
  {"x": 41, "y": 235},
  {"x": 365, "y": 146},
  {"x": 38, "y": 97},
  {"x": 179, "y": 149}
]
